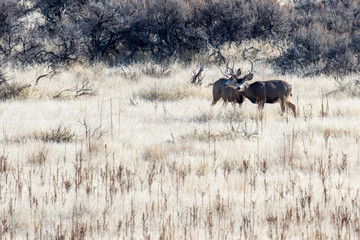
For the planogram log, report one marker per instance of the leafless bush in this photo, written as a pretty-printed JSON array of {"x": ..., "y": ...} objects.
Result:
[
  {"x": 11, "y": 29},
  {"x": 156, "y": 70},
  {"x": 3, "y": 79},
  {"x": 197, "y": 76},
  {"x": 227, "y": 21},
  {"x": 325, "y": 36},
  {"x": 319, "y": 37},
  {"x": 58, "y": 135},
  {"x": 349, "y": 87},
  {"x": 96, "y": 132},
  {"x": 84, "y": 89},
  {"x": 11, "y": 90},
  {"x": 269, "y": 21}
]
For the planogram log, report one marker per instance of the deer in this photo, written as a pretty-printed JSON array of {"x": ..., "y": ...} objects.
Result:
[
  {"x": 228, "y": 94},
  {"x": 261, "y": 92}
]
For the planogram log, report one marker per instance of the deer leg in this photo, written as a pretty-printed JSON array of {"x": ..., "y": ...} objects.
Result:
[
  {"x": 261, "y": 105},
  {"x": 215, "y": 100},
  {"x": 225, "y": 103},
  {"x": 292, "y": 106},
  {"x": 282, "y": 105}
]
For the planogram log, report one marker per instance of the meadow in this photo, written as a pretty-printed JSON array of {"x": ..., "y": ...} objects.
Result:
[{"x": 137, "y": 152}]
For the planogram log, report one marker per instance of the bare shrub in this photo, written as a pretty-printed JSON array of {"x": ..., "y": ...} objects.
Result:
[
  {"x": 12, "y": 90},
  {"x": 99, "y": 31},
  {"x": 197, "y": 75},
  {"x": 66, "y": 32},
  {"x": 324, "y": 39},
  {"x": 83, "y": 89},
  {"x": 221, "y": 21},
  {"x": 314, "y": 54},
  {"x": 163, "y": 31},
  {"x": 234, "y": 131},
  {"x": 269, "y": 21},
  {"x": 58, "y": 135},
  {"x": 11, "y": 29},
  {"x": 156, "y": 70},
  {"x": 351, "y": 88}
]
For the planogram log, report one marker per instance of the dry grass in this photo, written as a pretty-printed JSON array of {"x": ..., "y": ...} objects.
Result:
[
  {"x": 148, "y": 157},
  {"x": 13, "y": 90}
]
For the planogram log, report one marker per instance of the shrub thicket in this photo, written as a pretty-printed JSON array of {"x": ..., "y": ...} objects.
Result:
[
  {"x": 316, "y": 36},
  {"x": 325, "y": 38}
]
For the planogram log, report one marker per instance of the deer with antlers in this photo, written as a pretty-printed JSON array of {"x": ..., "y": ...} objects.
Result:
[
  {"x": 261, "y": 92},
  {"x": 227, "y": 94}
]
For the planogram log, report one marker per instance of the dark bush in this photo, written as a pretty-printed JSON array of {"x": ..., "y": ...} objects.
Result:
[
  {"x": 99, "y": 32},
  {"x": 271, "y": 21},
  {"x": 327, "y": 41},
  {"x": 222, "y": 22},
  {"x": 11, "y": 29},
  {"x": 317, "y": 36}
]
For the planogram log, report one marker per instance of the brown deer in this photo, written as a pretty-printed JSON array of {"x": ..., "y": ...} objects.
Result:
[
  {"x": 228, "y": 94},
  {"x": 262, "y": 92}
]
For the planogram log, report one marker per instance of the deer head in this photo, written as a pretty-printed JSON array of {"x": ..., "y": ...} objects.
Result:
[{"x": 236, "y": 82}]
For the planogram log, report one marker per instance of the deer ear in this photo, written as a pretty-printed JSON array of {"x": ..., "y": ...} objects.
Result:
[
  {"x": 238, "y": 73},
  {"x": 246, "y": 78},
  {"x": 249, "y": 77}
]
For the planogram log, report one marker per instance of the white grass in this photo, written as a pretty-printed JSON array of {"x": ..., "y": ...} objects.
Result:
[{"x": 172, "y": 166}]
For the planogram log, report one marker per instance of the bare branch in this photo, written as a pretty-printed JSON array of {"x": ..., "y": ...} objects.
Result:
[
  {"x": 85, "y": 89},
  {"x": 197, "y": 77}
]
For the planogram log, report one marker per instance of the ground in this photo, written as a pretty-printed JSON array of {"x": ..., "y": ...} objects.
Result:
[{"x": 146, "y": 156}]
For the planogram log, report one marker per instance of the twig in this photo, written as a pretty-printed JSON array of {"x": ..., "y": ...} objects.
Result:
[{"x": 197, "y": 77}]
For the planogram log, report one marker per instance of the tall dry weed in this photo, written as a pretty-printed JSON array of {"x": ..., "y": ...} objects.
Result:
[{"x": 181, "y": 170}]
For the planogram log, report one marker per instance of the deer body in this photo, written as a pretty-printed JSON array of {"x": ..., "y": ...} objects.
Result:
[
  {"x": 266, "y": 91},
  {"x": 262, "y": 92},
  {"x": 226, "y": 93}
]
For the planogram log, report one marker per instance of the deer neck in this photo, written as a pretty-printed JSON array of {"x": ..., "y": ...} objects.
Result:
[
  {"x": 245, "y": 90},
  {"x": 247, "y": 93}
]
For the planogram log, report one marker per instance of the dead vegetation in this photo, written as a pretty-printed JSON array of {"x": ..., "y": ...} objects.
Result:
[
  {"x": 58, "y": 135},
  {"x": 84, "y": 89},
  {"x": 10, "y": 89},
  {"x": 349, "y": 87},
  {"x": 309, "y": 37},
  {"x": 162, "y": 93},
  {"x": 171, "y": 166}
]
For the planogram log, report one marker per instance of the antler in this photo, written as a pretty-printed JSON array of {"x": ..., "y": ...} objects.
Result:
[
  {"x": 248, "y": 76},
  {"x": 229, "y": 72},
  {"x": 225, "y": 74},
  {"x": 232, "y": 73}
]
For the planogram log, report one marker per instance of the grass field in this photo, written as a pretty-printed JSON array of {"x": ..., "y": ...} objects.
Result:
[{"x": 138, "y": 152}]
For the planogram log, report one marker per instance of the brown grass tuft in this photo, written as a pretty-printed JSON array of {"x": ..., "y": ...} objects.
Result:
[
  {"x": 154, "y": 152},
  {"x": 39, "y": 157},
  {"x": 174, "y": 93},
  {"x": 13, "y": 90}
]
